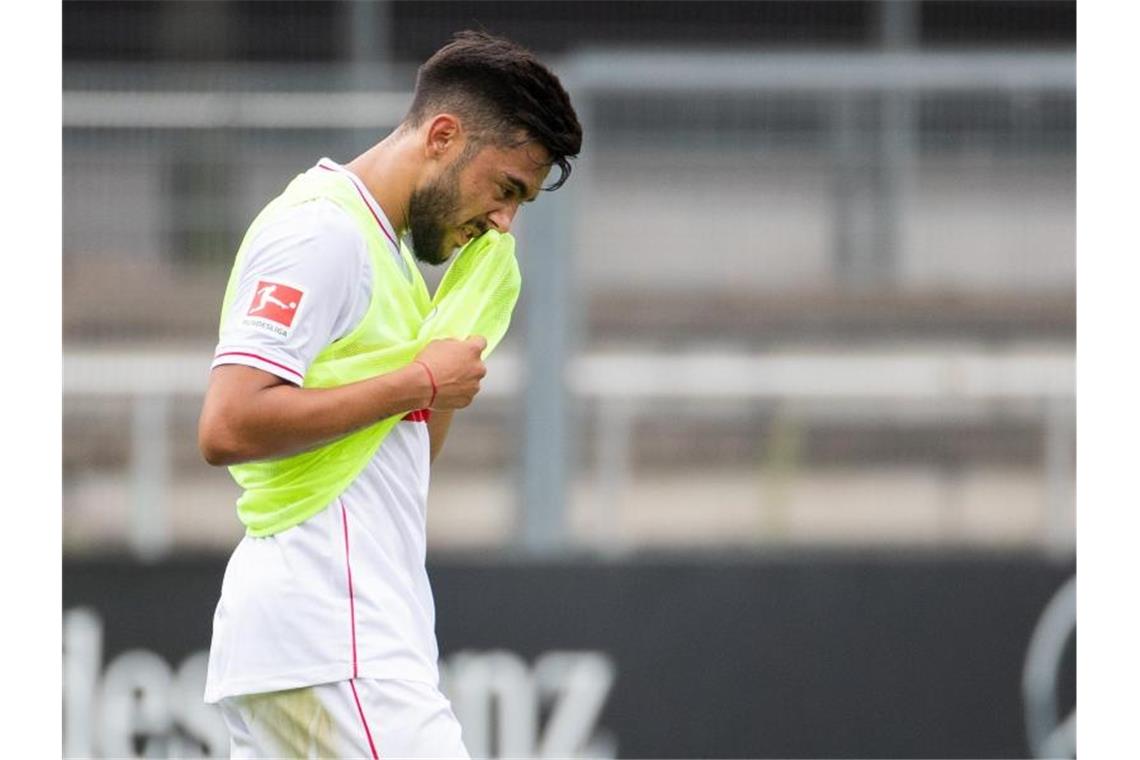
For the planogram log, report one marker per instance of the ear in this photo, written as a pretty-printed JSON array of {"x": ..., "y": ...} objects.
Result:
[{"x": 444, "y": 134}]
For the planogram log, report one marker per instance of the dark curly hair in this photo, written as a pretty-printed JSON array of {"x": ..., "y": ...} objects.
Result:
[{"x": 500, "y": 89}]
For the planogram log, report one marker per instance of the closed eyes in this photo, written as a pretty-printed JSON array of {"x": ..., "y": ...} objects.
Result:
[{"x": 516, "y": 188}]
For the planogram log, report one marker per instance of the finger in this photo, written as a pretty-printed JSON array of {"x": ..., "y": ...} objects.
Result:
[{"x": 478, "y": 341}]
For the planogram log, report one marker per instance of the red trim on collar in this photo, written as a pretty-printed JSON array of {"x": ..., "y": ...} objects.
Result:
[{"x": 363, "y": 197}]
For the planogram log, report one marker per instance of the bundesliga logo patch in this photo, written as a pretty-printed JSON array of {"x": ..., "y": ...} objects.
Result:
[{"x": 275, "y": 302}]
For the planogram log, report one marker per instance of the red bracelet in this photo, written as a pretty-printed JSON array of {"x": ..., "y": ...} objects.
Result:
[{"x": 431, "y": 377}]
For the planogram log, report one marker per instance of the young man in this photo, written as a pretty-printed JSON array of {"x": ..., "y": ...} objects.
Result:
[{"x": 324, "y": 641}]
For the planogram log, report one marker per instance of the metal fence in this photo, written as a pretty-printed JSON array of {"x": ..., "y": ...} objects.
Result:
[{"x": 909, "y": 215}]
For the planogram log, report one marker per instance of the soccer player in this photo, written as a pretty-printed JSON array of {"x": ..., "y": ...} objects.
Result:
[{"x": 324, "y": 642}]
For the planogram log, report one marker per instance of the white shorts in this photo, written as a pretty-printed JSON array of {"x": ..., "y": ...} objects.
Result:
[{"x": 361, "y": 718}]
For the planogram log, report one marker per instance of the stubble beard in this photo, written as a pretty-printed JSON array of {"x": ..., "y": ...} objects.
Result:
[{"x": 429, "y": 208}]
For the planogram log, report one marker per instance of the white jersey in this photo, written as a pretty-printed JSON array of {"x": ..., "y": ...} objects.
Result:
[{"x": 345, "y": 594}]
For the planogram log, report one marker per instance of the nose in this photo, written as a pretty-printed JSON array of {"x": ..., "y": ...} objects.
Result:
[{"x": 501, "y": 219}]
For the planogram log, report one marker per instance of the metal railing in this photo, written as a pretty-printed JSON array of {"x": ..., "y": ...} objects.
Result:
[
  {"x": 622, "y": 388},
  {"x": 865, "y": 122},
  {"x": 866, "y": 210}
]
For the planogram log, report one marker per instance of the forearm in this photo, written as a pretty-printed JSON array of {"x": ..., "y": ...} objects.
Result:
[
  {"x": 282, "y": 419},
  {"x": 438, "y": 426}
]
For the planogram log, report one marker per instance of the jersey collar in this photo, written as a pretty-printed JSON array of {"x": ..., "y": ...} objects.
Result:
[{"x": 378, "y": 213}]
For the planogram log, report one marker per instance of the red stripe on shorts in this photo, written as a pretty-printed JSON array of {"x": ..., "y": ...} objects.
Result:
[{"x": 364, "y": 721}]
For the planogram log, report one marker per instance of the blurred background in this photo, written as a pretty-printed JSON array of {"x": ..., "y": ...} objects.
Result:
[{"x": 777, "y": 459}]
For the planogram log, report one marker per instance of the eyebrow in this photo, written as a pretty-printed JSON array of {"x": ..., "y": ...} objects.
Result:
[{"x": 521, "y": 188}]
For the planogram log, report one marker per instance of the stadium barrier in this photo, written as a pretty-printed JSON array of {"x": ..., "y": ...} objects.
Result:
[{"x": 806, "y": 655}]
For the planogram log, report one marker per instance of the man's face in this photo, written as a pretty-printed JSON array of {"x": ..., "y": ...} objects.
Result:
[{"x": 472, "y": 194}]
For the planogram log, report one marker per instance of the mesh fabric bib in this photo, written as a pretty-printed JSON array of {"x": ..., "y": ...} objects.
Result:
[{"x": 475, "y": 297}]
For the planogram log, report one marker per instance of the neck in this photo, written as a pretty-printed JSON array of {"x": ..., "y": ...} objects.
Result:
[{"x": 388, "y": 170}]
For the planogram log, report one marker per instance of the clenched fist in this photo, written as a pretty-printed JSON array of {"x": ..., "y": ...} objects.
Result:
[{"x": 456, "y": 368}]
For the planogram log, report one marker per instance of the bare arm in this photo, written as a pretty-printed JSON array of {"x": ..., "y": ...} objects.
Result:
[
  {"x": 438, "y": 426},
  {"x": 250, "y": 414}
]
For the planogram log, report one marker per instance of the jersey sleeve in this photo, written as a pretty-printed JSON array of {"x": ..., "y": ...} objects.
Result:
[{"x": 305, "y": 281}]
